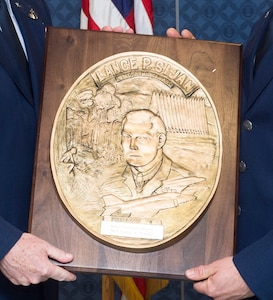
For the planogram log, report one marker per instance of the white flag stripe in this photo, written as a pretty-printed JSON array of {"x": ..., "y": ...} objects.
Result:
[
  {"x": 142, "y": 22},
  {"x": 83, "y": 21},
  {"x": 123, "y": 297}
]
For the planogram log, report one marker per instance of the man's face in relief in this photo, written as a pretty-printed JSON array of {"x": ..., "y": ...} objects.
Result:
[{"x": 140, "y": 143}]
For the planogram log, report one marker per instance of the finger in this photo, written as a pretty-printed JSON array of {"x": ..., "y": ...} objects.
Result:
[
  {"x": 171, "y": 32},
  {"x": 107, "y": 28},
  {"x": 59, "y": 255},
  {"x": 201, "y": 287},
  {"x": 61, "y": 274},
  {"x": 130, "y": 30},
  {"x": 118, "y": 29},
  {"x": 186, "y": 34},
  {"x": 199, "y": 273}
]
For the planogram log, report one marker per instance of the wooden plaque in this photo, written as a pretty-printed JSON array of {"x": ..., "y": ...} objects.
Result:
[{"x": 96, "y": 85}]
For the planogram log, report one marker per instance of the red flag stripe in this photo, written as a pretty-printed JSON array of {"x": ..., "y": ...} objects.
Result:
[
  {"x": 149, "y": 9},
  {"x": 131, "y": 20},
  {"x": 141, "y": 285},
  {"x": 91, "y": 23}
]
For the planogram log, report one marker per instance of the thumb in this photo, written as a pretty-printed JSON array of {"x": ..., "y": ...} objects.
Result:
[
  {"x": 59, "y": 255},
  {"x": 199, "y": 273}
]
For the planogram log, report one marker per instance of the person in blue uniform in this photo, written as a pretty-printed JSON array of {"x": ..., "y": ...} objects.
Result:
[
  {"x": 24, "y": 258},
  {"x": 248, "y": 274}
]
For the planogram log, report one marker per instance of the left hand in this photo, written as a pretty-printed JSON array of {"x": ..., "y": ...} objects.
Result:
[
  {"x": 185, "y": 34},
  {"x": 117, "y": 29},
  {"x": 28, "y": 262},
  {"x": 219, "y": 280}
]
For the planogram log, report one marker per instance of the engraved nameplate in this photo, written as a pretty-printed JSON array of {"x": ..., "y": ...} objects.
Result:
[{"x": 131, "y": 227}]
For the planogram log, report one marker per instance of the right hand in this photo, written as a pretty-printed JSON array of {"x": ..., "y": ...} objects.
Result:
[
  {"x": 117, "y": 29},
  {"x": 28, "y": 262},
  {"x": 219, "y": 280},
  {"x": 185, "y": 34}
]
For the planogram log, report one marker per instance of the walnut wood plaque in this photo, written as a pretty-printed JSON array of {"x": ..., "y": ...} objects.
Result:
[{"x": 136, "y": 162}]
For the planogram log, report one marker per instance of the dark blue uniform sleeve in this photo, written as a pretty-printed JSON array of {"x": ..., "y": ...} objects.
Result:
[
  {"x": 9, "y": 235},
  {"x": 255, "y": 265}
]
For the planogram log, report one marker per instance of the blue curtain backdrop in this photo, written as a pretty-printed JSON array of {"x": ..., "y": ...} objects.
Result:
[{"x": 218, "y": 20}]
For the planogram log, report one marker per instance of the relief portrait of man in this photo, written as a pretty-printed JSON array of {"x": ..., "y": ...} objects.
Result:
[
  {"x": 136, "y": 139},
  {"x": 151, "y": 181}
]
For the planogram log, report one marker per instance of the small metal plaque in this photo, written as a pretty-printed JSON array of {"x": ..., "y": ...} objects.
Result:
[{"x": 131, "y": 227}]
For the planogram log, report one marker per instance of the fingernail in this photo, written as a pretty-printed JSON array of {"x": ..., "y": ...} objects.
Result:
[{"x": 189, "y": 272}]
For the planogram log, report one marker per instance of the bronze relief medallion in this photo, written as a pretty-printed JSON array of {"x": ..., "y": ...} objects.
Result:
[{"x": 136, "y": 150}]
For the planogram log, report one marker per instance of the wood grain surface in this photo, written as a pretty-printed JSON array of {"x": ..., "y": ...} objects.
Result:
[{"x": 217, "y": 66}]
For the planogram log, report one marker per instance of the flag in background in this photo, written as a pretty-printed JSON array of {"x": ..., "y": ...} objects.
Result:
[{"x": 135, "y": 14}]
